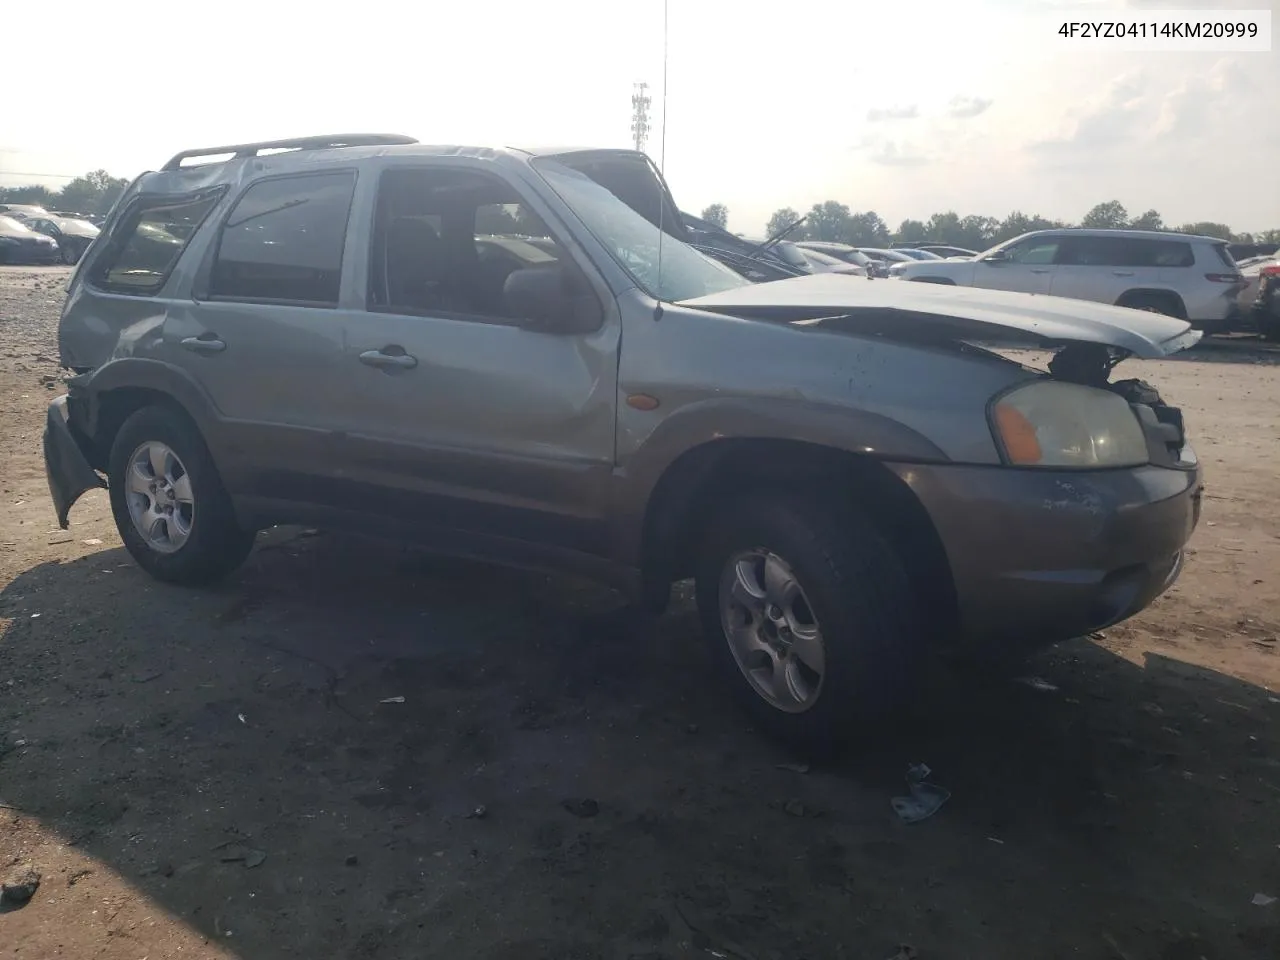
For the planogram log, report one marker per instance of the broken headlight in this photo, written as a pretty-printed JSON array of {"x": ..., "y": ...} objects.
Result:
[{"x": 1048, "y": 423}]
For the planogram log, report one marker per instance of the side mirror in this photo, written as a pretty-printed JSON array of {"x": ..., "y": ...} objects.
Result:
[
  {"x": 552, "y": 299},
  {"x": 998, "y": 257}
]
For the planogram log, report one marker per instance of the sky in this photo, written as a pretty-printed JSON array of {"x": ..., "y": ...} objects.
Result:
[{"x": 903, "y": 108}]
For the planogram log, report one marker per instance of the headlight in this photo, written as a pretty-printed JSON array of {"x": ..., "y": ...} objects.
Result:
[{"x": 1049, "y": 423}]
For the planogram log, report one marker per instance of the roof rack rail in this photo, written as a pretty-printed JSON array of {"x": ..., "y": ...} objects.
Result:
[{"x": 243, "y": 150}]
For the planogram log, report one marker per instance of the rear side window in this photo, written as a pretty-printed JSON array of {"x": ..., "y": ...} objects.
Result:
[
  {"x": 1124, "y": 252},
  {"x": 1224, "y": 254},
  {"x": 143, "y": 251},
  {"x": 283, "y": 240}
]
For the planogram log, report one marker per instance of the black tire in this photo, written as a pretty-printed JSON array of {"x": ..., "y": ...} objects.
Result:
[
  {"x": 217, "y": 544},
  {"x": 70, "y": 253},
  {"x": 1169, "y": 305},
  {"x": 859, "y": 594}
]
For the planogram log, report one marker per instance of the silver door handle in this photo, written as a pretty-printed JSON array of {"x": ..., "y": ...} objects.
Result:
[
  {"x": 1122, "y": 273},
  {"x": 204, "y": 344},
  {"x": 1034, "y": 270},
  {"x": 376, "y": 358}
]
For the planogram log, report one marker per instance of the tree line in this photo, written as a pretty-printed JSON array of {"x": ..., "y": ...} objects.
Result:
[
  {"x": 831, "y": 220},
  {"x": 92, "y": 193}
]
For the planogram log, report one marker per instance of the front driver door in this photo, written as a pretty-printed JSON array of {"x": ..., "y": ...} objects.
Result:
[
  {"x": 462, "y": 419},
  {"x": 1027, "y": 267}
]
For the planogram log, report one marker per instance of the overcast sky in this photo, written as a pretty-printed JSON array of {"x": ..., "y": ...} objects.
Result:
[{"x": 904, "y": 108}]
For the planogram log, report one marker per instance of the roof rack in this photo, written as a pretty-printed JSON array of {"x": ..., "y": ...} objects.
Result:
[{"x": 243, "y": 150}]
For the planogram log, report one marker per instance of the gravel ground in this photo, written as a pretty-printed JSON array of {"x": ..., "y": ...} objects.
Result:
[{"x": 233, "y": 773}]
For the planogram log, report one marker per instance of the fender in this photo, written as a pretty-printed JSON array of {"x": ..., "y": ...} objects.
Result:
[
  {"x": 139, "y": 373},
  {"x": 707, "y": 422}
]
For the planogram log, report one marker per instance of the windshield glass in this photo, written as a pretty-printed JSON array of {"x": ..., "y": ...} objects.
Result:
[
  {"x": 10, "y": 225},
  {"x": 82, "y": 226},
  {"x": 633, "y": 240}
]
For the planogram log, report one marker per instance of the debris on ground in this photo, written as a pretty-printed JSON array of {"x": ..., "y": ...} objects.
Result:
[
  {"x": 392, "y": 700},
  {"x": 794, "y": 767},
  {"x": 582, "y": 808},
  {"x": 352, "y": 860},
  {"x": 1262, "y": 900},
  {"x": 1037, "y": 683},
  {"x": 926, "y": 798},
  {"x": 237, "y": 852},
  {"x": 905, "y": 952},
  {"x": 479, "y": 813},
  {"x": 795, "y": 808},
  {"x": 20, "y": 888}
]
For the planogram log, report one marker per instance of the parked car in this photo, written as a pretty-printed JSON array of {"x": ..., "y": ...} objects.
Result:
[
  {"x": 1182, "y": 276},
  {"x": 841, "y": 251},
  {"x": 883, "y": 260},
  {"x": 20, "y": 244},
  {"x": 1266, "y": 306},
  {"x": 821, "y": 263},
  {"x": 847, "y": 476},
  {"x": 747, "y": 258},
  {"x": 917, "y": 254},
  {"x": 72, "y": 236},
  {"x": 940, "y": 249},
  {"x": 23, "y": 210}
]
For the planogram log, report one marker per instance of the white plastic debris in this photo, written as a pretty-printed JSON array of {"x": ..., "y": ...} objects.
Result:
[
  {"x": 1262, "y": 900},
  {"x": 392, "y": 700}
]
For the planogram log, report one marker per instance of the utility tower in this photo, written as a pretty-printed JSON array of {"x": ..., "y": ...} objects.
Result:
[{"x": 640, "y": 101}]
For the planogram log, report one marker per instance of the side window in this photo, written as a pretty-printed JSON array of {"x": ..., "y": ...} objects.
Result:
[
  {"x": 446, "y": 241},
  {"x": 1039, "y": 251},
  {"x": 283, "y": 240},
  {"x": 141, "y": 253},
  {"x": 1087, "y": 252},
  {"x": 1169, "y": 253}
]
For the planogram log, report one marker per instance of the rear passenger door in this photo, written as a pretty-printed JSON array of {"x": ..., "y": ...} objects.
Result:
[
  {"x": 1104, "y": 268},
  {"x": 263, "y": 332}
]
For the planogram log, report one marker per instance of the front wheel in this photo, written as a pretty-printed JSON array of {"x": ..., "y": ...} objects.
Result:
[
  {"x": 172, "y": 512},
  {"x": 809, "y": 615},
  {"x": 70, "y": 253}
]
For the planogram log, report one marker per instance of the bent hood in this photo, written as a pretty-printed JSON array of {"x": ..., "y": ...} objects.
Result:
[{"x": 942, "y": 311}]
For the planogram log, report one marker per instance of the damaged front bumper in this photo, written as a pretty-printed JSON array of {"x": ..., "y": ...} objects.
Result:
[
  {"x": 1041, "y": 557},
  {"x": 66, "y": 467}
]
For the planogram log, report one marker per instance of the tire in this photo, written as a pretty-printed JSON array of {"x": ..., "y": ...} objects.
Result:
[
  {"x": 1170, "y": 306},
  {"x": 203, "y": 541},
  {"x": 70, "y": 253},
  {"x": 857, "y": 593},
  {"x": 943, "y": 280}
]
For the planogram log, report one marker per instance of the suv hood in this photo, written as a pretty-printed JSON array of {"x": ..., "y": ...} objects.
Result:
[{"x": 941, "y": 311}]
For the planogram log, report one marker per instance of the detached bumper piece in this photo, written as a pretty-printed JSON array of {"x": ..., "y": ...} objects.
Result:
[{"x": 65, "y": 466}]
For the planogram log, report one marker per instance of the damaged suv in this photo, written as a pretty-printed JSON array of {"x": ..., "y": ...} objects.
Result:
[{"x": 514, "y": 355}]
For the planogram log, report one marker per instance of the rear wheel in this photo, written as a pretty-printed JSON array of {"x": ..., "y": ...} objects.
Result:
[
  {"x": 70, "y": 253},
  {"x": 809, "y": 616},
  {"x": 1168, "y": 305},
  {"x": 170, "y": 507}
]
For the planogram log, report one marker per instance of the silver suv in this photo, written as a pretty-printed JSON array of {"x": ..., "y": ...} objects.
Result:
[
  {"x": 514, "y": 356},
  {"x": 1192, "y": 278}
]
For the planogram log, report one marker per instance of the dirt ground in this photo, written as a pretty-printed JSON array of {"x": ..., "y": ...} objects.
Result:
[{"x": 225, "y": 773}]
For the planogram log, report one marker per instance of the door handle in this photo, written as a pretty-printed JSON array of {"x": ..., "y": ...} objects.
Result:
[
  {"x": 380, "y": 358},
  {"x": 1122, "y": 273},
  {"x": 1034, "y": 270},
  {"x": 205, "y": 343}
]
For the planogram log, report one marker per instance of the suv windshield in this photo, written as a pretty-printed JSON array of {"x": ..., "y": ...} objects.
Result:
[{"x": 633, "y": 240}]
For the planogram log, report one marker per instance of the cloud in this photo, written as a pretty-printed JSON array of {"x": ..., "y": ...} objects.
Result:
[
  {"x": 891, "y": 153},
  {"x": 964, "y": 107},
  {"x": 1109, "y": 120},
  {"x": 879, "y": 114}
]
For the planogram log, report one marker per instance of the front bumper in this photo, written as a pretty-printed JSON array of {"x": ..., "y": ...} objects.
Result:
[
  {"x": 65, "y": 465},
  {"x": 1038, "y": 557}
]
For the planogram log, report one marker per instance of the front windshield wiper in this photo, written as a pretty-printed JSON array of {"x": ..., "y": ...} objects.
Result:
[{"x": 777, "y": 237}]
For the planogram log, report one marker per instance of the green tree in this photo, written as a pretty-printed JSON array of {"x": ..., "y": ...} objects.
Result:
[
  {"x": 92, "y": 193},
  {"x": 784, "y": 218},
  {"x": 828, "y": 220},
  {"x": 718, "y": 214},
  {"x": 1151, "y": 220},
  {"x": 1106, "y": 216},
  {"x": 867, "y": 230},
  {"x": 978, "y": 233},
  {"x": 1268, "y": 236},
  {"x": 911, "y": 231},
  {"x": 41, "y": 196},
  {"x": 944, "y": 227},
  {"x": 1206, "y": 228}
]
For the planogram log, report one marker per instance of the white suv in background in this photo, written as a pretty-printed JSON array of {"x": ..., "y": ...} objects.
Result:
[{"x": 1184, "y": 276}]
